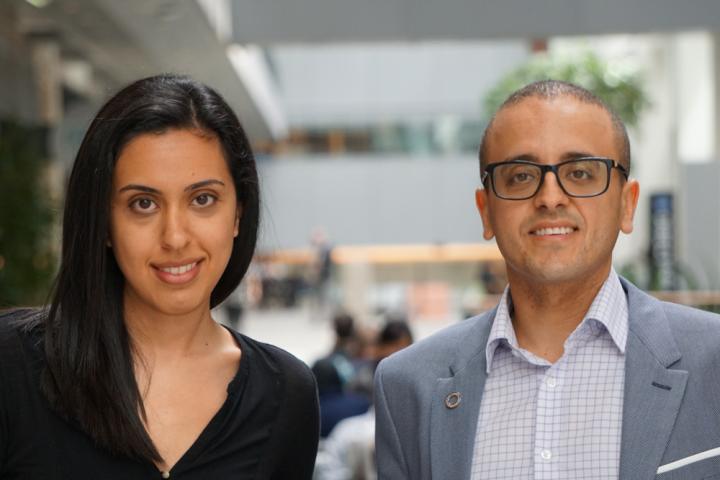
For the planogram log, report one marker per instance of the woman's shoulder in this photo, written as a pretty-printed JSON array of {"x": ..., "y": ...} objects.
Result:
[
  {"x": 16, "y": 324},
  {"x": 20, "y": 337},
  {"x": 296, "y": 372}
]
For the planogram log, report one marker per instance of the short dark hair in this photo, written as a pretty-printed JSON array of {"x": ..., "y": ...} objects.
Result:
[
  {"x": 89, "y": 375},
  {"x": 550, "y": 89},
  {"x": 394, "y": 329},
  {"x": 344, "y": 325}
]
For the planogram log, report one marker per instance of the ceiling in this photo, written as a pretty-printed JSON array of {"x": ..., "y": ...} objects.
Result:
[
  {"x": 125, "y": 40},
  {"x": 129, "y": 39},
  {"x": 291, "y": 21}
]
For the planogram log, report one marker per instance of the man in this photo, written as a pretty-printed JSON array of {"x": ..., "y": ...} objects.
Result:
[{"x": 576, "y": 374}]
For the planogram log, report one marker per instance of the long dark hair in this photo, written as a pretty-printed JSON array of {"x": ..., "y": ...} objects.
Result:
[{"x": 89, "y": 378}]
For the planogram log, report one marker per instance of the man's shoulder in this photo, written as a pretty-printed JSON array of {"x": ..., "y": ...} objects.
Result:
[
  {"x": 434, "y": 355},
  {"x": 692, "y": 327},
  {"x": 695, "y": 332},
  {"x": 682, "y": 319}
]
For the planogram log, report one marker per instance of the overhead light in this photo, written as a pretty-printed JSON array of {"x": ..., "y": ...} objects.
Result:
[
  {"x": 252, "y": 68},
  {"x": 39, "y": 3}
]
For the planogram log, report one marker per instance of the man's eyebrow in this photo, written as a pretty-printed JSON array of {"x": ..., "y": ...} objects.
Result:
[
  {"x": 574, "y": 155},
  {"x": 527, "y": 157},
  {"x": 141, "y": 188},
  {"x": 203, "y": 183}
]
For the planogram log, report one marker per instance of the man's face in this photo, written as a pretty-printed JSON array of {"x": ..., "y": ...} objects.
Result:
[{"x": 552, "y": 238}]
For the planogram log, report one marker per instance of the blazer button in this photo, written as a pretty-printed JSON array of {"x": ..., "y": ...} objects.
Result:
[{"x": 453, "y": 400}]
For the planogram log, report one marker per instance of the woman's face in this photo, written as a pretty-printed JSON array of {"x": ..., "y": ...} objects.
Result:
[{"x": 174, "y": 215}]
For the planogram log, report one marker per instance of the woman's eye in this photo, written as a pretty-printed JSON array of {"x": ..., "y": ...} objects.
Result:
[
  {"x": 204, "y": 200},
  {"x": 143, "y": 205}
]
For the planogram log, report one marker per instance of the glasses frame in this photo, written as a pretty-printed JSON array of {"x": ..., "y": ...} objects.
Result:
[{"x": 544, "y": 169}]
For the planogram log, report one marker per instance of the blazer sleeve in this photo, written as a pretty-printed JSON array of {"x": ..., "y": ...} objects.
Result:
[{"x": 391, "y": 464}]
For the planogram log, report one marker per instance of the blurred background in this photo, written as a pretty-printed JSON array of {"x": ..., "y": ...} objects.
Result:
[{"x": 365, "y": 118}]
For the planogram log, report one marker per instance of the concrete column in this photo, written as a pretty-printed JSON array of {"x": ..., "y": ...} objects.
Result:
[
  {"x": 356, "y": 279},
  {"x": 47, "y": 68}
]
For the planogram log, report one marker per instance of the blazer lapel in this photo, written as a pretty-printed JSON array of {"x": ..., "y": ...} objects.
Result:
[
  {"x": 456, "y": 406},
  {"x": 653, "y": 392}
]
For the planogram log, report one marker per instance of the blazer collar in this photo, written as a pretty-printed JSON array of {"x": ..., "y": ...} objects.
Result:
[
  {"x": 456, "y": 404},
  {"x": 475, "y": 343},
  {"x": 653, "y": 391},
  {"x": 650, "y": 325}
]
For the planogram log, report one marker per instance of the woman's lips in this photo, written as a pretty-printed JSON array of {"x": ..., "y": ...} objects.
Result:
[{"x": 178, "y": 274}]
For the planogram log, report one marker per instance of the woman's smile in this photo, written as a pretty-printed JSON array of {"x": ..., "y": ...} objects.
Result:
[{"x": 178, "y": 273}]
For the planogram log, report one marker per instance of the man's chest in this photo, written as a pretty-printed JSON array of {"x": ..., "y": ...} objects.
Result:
[{"x": 551, "y": 421}]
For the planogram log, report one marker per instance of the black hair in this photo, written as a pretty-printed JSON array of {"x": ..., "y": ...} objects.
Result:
[
  {"x": 344, "y": 325},
  {"x": 394, "y": 329},
  {"x": 550, "y": 89},
  {"x": 89, "y": 377}
]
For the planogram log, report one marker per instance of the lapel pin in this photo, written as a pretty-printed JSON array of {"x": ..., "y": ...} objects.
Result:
[{"x": 453, "y": 400}]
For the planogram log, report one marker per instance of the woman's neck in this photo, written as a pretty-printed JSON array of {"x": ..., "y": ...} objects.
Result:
[{"x": 171, "y": 335}]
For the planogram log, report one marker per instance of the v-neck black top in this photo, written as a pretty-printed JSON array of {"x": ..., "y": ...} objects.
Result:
[{"x": 268, "y": 427}]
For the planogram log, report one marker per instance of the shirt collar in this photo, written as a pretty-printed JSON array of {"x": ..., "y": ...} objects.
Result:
[{"x": 608, "y": 311}]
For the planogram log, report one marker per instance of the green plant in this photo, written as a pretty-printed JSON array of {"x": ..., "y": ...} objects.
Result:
[
  {"x": 616, "y": 84},
  {"x": 27, "y": 259}
]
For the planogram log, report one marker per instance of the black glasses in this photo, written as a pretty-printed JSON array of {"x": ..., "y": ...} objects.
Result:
[{"x": 580, "y": 177}]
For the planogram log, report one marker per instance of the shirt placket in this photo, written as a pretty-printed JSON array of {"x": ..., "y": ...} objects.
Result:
[
  {"x": 549, "y": 428},
  {"x": 546, "y": 443}
]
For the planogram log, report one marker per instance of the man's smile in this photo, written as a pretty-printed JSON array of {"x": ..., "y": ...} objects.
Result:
[{"x": 553, "y": 231}]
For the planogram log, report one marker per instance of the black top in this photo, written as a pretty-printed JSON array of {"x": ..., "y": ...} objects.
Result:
[{"x": 267, "y": 428}]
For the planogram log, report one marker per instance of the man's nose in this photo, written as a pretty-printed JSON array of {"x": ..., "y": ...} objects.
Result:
[{"x": 551, "y": 195}]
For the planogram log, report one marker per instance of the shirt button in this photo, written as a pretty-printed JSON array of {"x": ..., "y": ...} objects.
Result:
[
  {"x": 550, "y": 382},
  {"x": 546, "y": 454}
]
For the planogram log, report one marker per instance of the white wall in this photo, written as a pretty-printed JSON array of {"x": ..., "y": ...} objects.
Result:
[
  {"x": 369, "y": 200},
  {"x": 366, "y": 84}
]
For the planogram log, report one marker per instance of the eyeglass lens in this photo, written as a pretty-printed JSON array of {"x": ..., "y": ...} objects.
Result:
[{"x": 580, "y": 177}]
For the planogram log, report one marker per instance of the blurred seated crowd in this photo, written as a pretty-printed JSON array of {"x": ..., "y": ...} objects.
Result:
[{"x": 345, "y": 385}]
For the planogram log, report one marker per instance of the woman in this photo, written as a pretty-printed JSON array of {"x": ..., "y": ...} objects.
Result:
[{"x": 127, "y": 375}]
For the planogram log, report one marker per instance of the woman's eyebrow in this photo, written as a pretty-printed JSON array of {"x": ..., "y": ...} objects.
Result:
[
  {"x": 194, "y": 186},
  {"x": 141, "y": 188},
  {"x": 203, "y": 183}
]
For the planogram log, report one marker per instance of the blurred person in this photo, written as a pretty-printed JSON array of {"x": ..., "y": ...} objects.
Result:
[
  {"x": 234, "y": 310},
  {"x": 348, "y": 452},
  {"x": 320, "y": 273},
  {"x": 126, "y": 374},
  {"x": 576, "y": 373},
  {"x": 335, "y": 371},
  {"x": 393, "y": 337}
]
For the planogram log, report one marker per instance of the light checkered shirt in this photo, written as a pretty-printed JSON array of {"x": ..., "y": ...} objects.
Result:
[{"x": 555, "y": 421}]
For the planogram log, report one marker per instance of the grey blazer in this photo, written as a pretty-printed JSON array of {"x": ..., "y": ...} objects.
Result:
[{"x": 671, "y": 410}]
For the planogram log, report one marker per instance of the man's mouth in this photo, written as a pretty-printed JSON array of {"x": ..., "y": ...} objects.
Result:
[{"x": 553, "y": 231}]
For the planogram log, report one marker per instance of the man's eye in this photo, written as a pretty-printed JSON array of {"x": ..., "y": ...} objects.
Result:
[
  {"x": 580, "y": 175},
  {"x": 522, "y": 177},
  {"x": 204, "y": 200}
]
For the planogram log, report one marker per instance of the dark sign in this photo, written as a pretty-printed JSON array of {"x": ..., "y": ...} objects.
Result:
[{"x": 662, "y": 242}]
